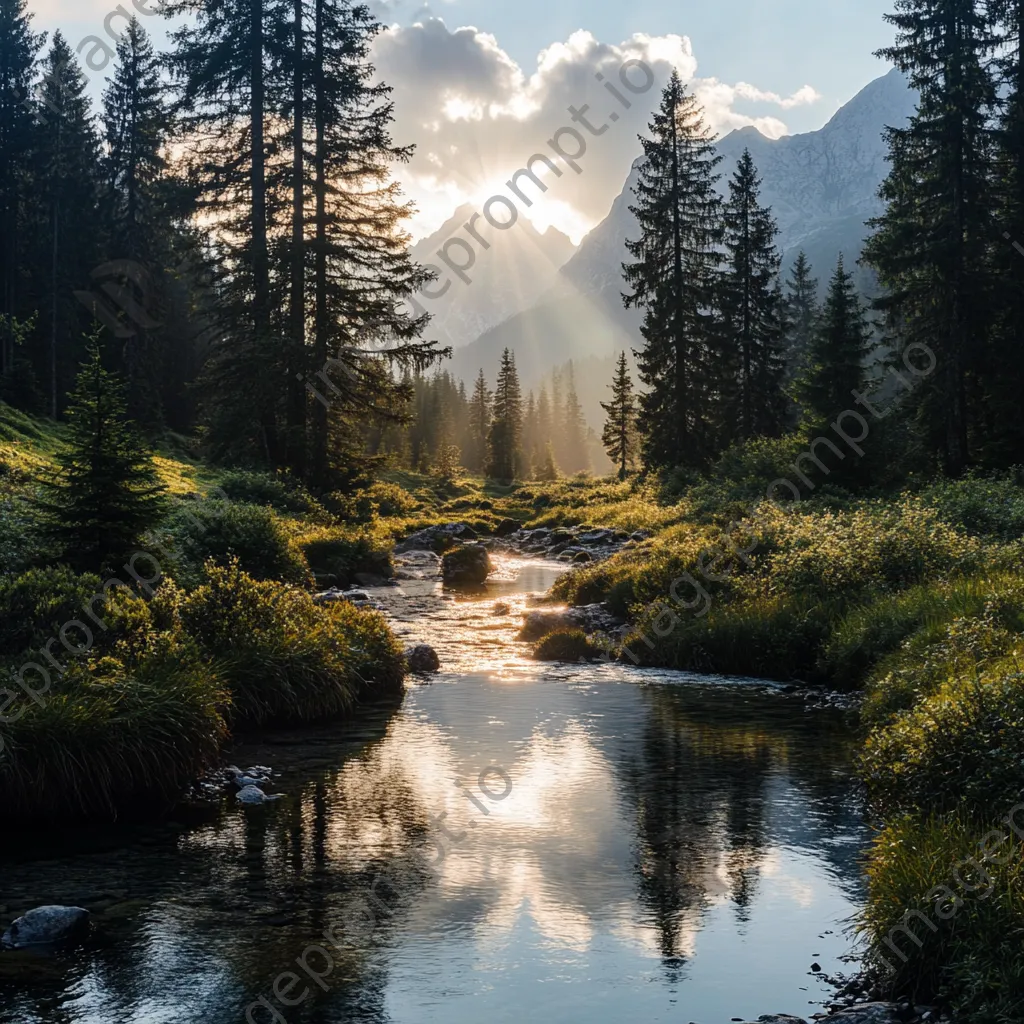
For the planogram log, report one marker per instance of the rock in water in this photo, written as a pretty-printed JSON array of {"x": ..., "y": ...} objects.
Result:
[
  {"x": 251, "y": 795},
  {"x": 422, "y": 659},
  {"x": 507, "y": 527},
  {"x": 47, "y": 926},
  {"x": 468, "y": 564}
]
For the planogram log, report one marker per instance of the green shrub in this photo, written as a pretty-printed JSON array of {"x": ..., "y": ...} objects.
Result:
[
  {"x": 980, "y": 506},
  {"x": 248, "y": 488},
  {"x": 770, "y": 638},
  {"x": 965, "y": 909},
  {"x": 113, "y": 737},
  {"x": 35, "y": 605},
  {"x": 284, "y": 659},
  {"x": 962, "y": 745},
  {"x": 567, "y": 645},
  {"x": 336, "y": 551},
  {"x": 252, "y": 534}
]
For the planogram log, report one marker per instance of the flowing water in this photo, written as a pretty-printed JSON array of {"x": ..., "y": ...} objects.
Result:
[{"x": 517, "y": 842}]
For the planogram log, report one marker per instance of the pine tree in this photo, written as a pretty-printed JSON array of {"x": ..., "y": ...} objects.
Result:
[
  {"x": 840, "y": 345},
  {"x": 573, "y": 430},
  {"x": 801, "y": 315},
  {"x": 752, "y": 364},
  {"x": 19, "y": 47},
  {"x": 137, "y": 126},
  {"x": 619, "y": 436},
  {"x": 672, "y": 280},
  {"x": 220, "y": 66},
  {"x": 548, "y": 469},
  {"x": 362, "y": 269},
  {"x": 1003, "y": 444},
  {"x": 67, "y": 234},
  {"x": 479, "y": 423},
  {"x": 105, "y": 493},
  {"x": 930, "y": 246},
  {"x": 505, "y": 457}
]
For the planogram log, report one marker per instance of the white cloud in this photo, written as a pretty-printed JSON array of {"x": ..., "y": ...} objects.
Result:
[{"x": 477, "y": 116}]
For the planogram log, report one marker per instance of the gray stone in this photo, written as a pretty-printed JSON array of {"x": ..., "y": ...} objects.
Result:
[
  {"x": 437, "y": 538},
  {"x": 251, "y": 795},
  {"x": 582, "y": 557},
  {"x": 46, "y": 926},
  {"x": 598, "y": 537},
  {"x": 422, "y": 659},
  {"x": 469, "y": 564},
  {"x": 369, "y": 579},
  {"x": 506, "y": 528},
  {"x": 866, "y": 1013}
]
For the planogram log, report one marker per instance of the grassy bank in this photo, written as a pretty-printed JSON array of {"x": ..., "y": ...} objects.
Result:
[{"x": 124, "y": 688}]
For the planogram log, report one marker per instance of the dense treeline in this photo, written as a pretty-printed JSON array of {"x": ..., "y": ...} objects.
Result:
[
  {"x": 727, "y": 356},
  {"x": 279, "y": 332},
  {"x": 492, "y": 431}
]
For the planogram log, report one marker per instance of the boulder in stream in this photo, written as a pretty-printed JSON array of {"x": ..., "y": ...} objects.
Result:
[
  {"x": 468, "y": 564},
  {"x": 437, "y": 538},
  {"x": 47, "y": 926},
  {"x": 422, "y": 659}
]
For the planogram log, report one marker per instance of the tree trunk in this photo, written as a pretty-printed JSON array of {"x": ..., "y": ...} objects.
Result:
[
  {"x": 296, "y": 391},
  {"x": 320, "y": 340},
  {"x": 260, "y": 261}
]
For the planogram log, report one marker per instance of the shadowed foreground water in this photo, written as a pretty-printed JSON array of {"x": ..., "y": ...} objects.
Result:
[{"x": 671, "y": 849}]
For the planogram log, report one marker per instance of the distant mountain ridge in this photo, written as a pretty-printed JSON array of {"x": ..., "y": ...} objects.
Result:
[
  {"x": 520, "y": 265},
  {"x": 821, "y": 185}
]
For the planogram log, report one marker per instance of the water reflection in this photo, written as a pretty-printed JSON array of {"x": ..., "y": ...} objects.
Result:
[{"x": 660, "y": 842}]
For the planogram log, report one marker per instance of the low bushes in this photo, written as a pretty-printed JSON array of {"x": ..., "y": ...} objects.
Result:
[
  {"x": 128, "y": 725},
  {"x": 962, "y": 745},
  {"x": 284, "y": 659},
  {"x": 567, "y": 645},
  {"x": 252, "y": 534},
  {"x": 335, "y": 554},
  {"x": 249, "y": 488}
]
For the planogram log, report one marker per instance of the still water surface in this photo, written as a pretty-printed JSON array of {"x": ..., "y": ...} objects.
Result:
[{"x": 672, "y": 848}]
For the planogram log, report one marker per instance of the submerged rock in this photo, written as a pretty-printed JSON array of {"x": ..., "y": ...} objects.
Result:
[
  {"x": 468, "y": 564},
  {"x": 47, "y": 926},
  {"x": 422, "y": 659}
]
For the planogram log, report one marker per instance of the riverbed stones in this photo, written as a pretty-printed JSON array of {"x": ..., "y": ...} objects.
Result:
[
  {"x": 470, "y": 564},
  {"x": 47, "y": 926},
  {"x": 422, "y": 659},
  {"x": 865, "y": 1013},
  {"x": 506, "y": 528},
  {"x": 437, "y": 538}
]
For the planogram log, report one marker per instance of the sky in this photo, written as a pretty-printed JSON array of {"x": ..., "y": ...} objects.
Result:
[{"x": 481, "y": 85}]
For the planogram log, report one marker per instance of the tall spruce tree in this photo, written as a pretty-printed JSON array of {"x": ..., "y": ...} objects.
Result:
[
  {"x": 137, "y": 197},
  {"x": 1003, "y": 444},
  {"x": 479, "y": 424},
  {"x": 930, "y": 247},
  {"x": 68, "y": 232},
  {"x": 105, "y": 493},
  {"x": 571, "y": 441},
  {"x": 673, "y": 279},
  {"x": 619, "y": 437},
  {"x": 362, "y": 269},
  {"x": 505, "y": 456},
  {"x": 19, "y": 47},
  {"x": 801, "y": 315},
  {"x": 752, "y": 364},
  {"x": 836, "y": 363}
]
